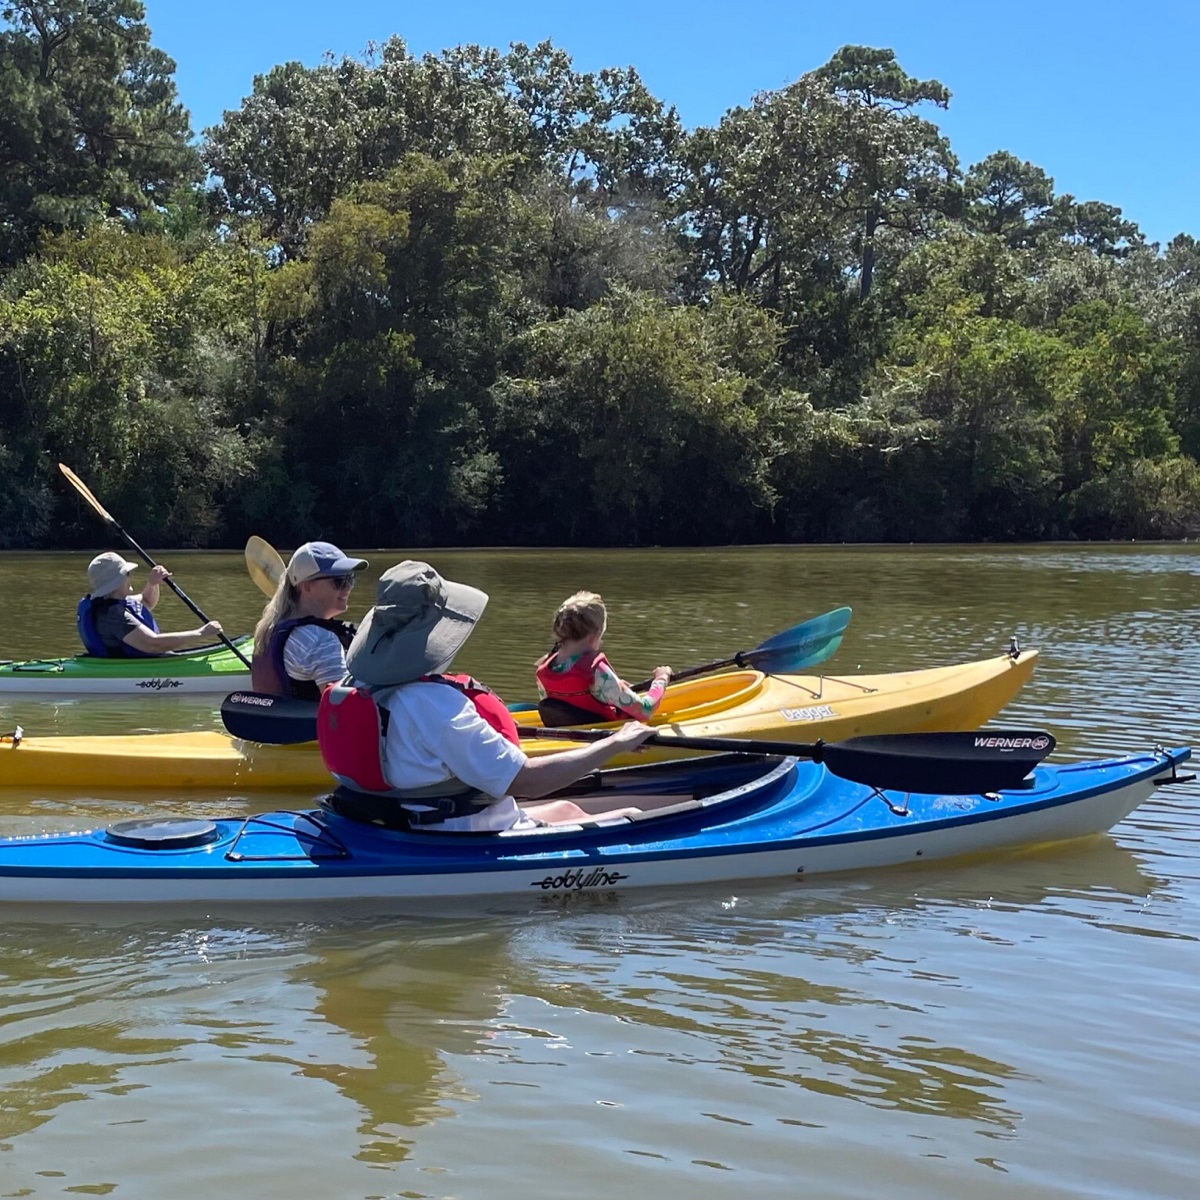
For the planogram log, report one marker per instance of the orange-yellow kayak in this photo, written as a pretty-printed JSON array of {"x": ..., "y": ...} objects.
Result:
[{"x": 797, "y": 708}]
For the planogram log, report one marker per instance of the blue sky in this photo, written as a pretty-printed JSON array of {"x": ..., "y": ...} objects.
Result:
[{"x": 1100, "y": 95}]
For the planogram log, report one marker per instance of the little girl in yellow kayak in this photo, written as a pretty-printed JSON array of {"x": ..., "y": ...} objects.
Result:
[{"x": 576, "y": 683}]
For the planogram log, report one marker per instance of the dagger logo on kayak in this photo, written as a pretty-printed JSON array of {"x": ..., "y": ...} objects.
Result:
[
  {"x": 579, "y": 879},
  {"x": 158, "y": 684},
  {"x": 817, "y": 712}
]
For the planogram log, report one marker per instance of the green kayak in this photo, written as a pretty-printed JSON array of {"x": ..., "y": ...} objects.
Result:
[{"x": 209, "y": 669}]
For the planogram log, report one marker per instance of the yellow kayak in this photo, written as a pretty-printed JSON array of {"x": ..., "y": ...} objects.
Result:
[{"x": 797, "y": 708}]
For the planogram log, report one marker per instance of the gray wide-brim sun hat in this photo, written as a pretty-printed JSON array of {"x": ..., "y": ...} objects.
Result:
[{"x": 418, "y": 624}]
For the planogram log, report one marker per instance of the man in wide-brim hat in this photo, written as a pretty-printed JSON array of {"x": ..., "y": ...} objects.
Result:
[{"x": 459, "y": 736}]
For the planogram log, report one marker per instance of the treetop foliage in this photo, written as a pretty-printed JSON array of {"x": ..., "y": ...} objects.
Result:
[{"x": 483, "y": 296}]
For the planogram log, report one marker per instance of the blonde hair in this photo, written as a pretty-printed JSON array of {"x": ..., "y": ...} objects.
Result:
[
  {"x": 284, "y": 604},
  {"x": 580, "y": 616}
]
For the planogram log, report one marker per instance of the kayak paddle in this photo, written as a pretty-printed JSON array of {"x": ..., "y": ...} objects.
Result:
[
  {"x": 950, "y": 763},
  {"x": 956, "y": 763},
  {"x": 272, "y": 720},
  {"x": 264, "y": 564},
  {"x": 803, "y": 645},
  {"x": 83, "y": 490}
]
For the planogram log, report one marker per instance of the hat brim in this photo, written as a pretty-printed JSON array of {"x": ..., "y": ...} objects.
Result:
[
  {"x": 341, "y": 567},
  {"x": 105, "y": 588},
  {"x": 380, "y": 657}
]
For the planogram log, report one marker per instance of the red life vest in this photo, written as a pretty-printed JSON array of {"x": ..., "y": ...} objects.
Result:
[
  {"x": 575, "y": 684},
  {"x": 351, "y": 729}
]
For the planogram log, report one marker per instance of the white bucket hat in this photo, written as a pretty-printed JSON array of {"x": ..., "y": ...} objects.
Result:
[{"x": 105, "y": 571}]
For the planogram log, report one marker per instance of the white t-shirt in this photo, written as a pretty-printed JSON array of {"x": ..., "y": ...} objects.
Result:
[
  {"x": 312, "y": 652},
  {"x": 434, "y": 734}
]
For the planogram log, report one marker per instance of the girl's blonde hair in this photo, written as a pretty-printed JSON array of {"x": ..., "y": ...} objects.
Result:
[
  {"x": 580, "y": 616},
  {"x": 284, "y": 604}
]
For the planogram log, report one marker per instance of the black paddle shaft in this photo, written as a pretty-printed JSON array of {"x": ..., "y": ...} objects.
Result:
[
  {"x": 950, "y": 763},
  {"x": 175, "y": 587},
  {"x": 947, "y": 763}
]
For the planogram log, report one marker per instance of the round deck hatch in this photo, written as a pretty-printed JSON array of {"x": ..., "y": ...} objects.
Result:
[{"x": 164, "y": 833}]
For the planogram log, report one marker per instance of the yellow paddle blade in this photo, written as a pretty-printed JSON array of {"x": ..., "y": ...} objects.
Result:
[
  {"x": 264, "y": 564},
  {"x": 84, "y": 491}
]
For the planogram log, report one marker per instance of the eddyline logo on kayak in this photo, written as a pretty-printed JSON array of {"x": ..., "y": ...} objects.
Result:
[
  {"x": 579, "y": 879},
  {"x": 1011, "y": 743},
  {"x": 159, "y": 684}
]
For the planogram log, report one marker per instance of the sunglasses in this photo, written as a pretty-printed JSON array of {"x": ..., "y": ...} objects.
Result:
[{"x": 340, "y": 581}]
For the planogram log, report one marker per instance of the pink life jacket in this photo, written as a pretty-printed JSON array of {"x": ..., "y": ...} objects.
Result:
[
  {"x": 575, "y": 684},
  {"x": 351, "y": 729}
]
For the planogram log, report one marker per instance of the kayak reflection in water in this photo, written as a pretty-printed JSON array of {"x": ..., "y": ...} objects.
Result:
[
  {"x": 114, "y": 623},
  {"x": 450, "y": 754}
]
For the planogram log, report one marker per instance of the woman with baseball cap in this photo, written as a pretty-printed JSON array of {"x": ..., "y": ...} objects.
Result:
[
  {"x": 299, "y": 643},
  {"x": 114, "y": 623}
]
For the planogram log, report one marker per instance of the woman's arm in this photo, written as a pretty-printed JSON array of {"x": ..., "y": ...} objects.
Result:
[
  {"x": 149, "y": 642},
  {"x": 150, "y": 591}
]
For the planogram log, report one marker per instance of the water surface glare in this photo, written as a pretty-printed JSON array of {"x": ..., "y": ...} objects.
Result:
[{"x": 1016, "y": 1027}]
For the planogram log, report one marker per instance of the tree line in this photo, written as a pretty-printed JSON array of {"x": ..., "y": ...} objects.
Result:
[{"x": 482, "y": 297}]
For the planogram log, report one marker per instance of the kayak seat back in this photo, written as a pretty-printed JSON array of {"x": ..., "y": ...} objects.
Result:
[
  {"x": 557, "y": 714},
  {"x": 386, "y": 812}
]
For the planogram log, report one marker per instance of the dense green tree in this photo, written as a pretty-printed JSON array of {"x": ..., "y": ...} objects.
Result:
[
  {"x": 638, "y": 422},
  {"x": 306, "y": 134},
  {"x": 393, "y": 324},
  {"x": 89, "y": 121},
  {"x": 113, "y": 349},
  {"x": 897, "y": 172},
  {"x": 1008, "y": 198}
]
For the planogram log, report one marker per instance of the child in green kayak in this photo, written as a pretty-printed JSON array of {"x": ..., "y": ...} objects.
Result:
[{"x": 575, "y": 680}]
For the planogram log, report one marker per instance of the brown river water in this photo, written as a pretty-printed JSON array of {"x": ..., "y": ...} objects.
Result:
[{"x": 1019, "y": 1026}]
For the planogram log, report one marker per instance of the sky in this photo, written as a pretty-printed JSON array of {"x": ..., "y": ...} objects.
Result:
[{"x": 1099, "y": 94}]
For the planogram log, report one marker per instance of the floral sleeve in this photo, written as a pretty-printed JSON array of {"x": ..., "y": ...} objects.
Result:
[{"x": 608, "y": 688}]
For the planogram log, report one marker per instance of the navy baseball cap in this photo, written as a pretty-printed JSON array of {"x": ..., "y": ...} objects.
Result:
[{"x": 319, "y": 560}]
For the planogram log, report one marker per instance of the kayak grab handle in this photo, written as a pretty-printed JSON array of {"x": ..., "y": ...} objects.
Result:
[
  {"x": 1175, "y": 776},
  {"x": 40, "y": 666}
]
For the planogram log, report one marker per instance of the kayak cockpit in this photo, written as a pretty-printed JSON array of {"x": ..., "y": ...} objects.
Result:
[{"x": 617, "y": 797}]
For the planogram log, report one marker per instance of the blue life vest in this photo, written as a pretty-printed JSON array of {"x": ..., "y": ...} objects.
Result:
[{"x": 85, "y": 622}]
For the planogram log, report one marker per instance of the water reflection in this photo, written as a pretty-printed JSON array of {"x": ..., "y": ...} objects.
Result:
[
  {"x": 795, "y": 990},
  {"x": 679, "y": 1043}
]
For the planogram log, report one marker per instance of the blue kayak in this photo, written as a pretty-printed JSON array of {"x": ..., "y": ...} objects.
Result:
[{"x": 721, "y": 819}]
